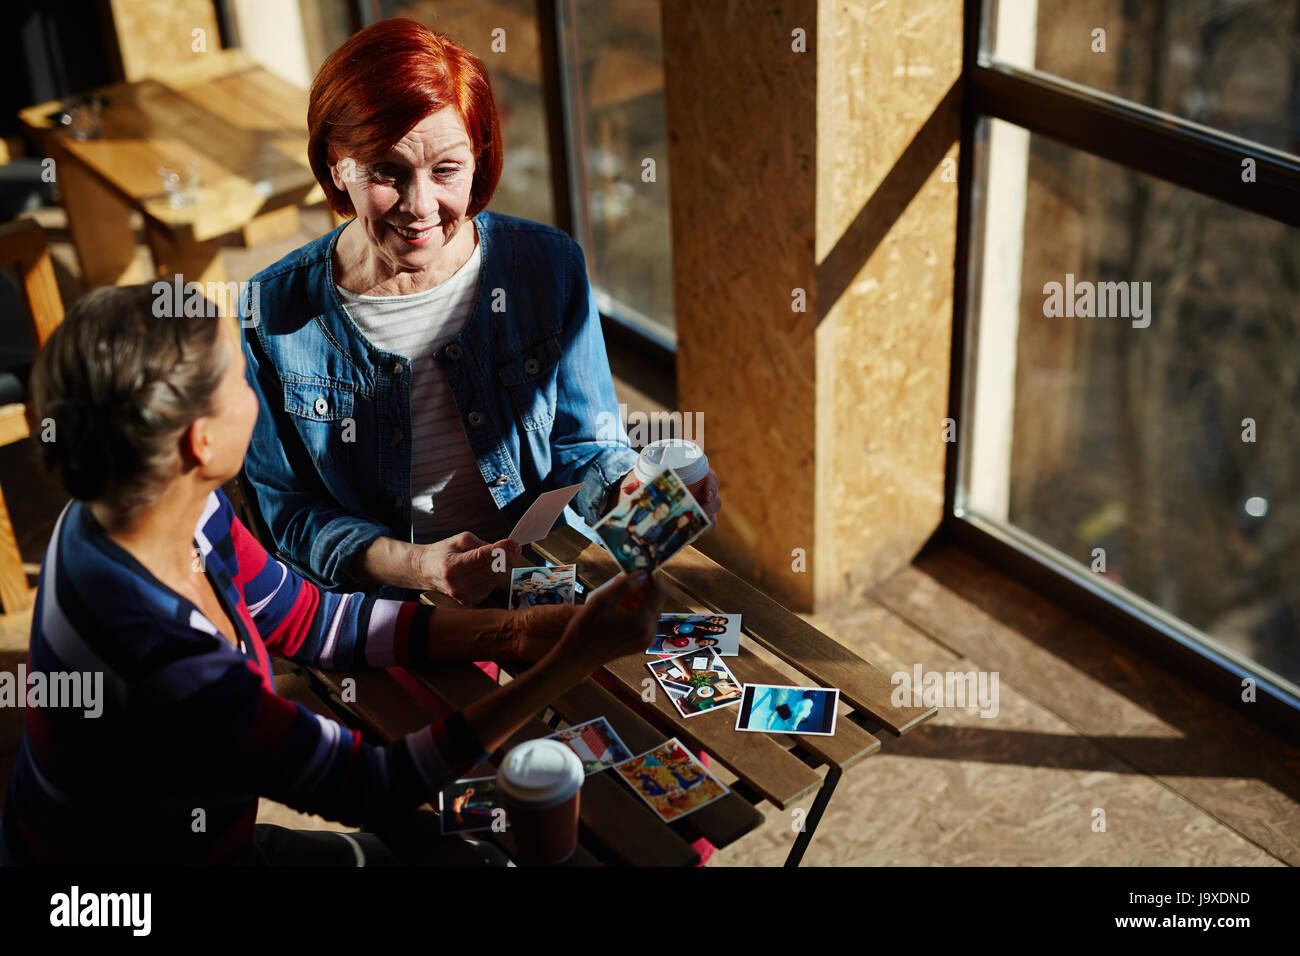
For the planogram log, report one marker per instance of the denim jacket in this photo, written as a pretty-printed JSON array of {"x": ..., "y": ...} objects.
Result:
[{"x": 330, "y": 457}]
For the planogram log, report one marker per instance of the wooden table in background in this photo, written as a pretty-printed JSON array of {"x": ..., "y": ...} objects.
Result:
[
  {"x": 246, "y": 127},
  {"x": 617, "y": 827}
]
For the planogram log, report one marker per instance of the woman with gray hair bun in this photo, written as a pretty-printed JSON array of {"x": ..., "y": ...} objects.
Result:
[{"x": 156, "y": 594}]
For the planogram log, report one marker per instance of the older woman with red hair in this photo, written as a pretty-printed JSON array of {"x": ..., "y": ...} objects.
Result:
[{"x": 428, "y": 368}]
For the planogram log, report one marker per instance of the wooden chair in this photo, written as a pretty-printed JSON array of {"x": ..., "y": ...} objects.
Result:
[
  {"x": 150, "y": 36},
  {"x": 22, "y": 243}
]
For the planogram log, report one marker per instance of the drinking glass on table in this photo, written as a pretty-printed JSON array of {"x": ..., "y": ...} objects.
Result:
[
  {"x": 182, "y": 185},
  {"x": 84, "y": 119}
]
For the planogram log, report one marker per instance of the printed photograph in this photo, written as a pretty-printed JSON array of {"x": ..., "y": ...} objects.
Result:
[
  {"x": 596, "y": 743},
  {"x": 682, "y": 633},
  {"x": 772, "y": 709},
  {"x": 653, "y": 524},
  {"x": 468, "y": 805},
  {"x": 530, "y": 587},
  {"x": 697, "y": 681},
  {"x": 671, "y": 780}
]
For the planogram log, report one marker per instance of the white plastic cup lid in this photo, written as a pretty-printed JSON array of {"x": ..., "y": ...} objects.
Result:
[
  {"x": 682, "y": 456},
  {"x": 540, "y": 773}
]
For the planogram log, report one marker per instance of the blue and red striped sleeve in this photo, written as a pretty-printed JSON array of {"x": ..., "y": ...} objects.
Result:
[
  {"x": 299, "y": 621},
  {"x": 228, "y": 733}
]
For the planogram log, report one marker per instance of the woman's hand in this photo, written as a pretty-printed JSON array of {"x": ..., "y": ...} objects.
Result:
[
  {"x": 462, "y": 566},
  {"x": 618, "y": 619},
  {"x": 710, "y": 496},
  {"x": 531, "y": 633}
]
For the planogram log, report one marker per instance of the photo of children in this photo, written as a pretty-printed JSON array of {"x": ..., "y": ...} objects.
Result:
[
  {"x": 671, "y": 780},
  {"x": 697, "y": 681},
  {"x": 788, "y": 710},
  {"x": 530, "y": 587},
  {"x": 468, "y": 805},
  {"x": 681, "y": 633},
  {"x": 655, "y": 523}
]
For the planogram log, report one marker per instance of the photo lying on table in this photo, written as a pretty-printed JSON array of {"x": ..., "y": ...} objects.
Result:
[
  {"x": 671, "y": 780},
  {"x": 682, "y": 633},
  {"x": 772, "y": 709},
  {"x": 468, "y": 805},
  {"x": 653, "y": 524},
  {"x": 530, "y": 587},
  {"x": 596, "y": 743},
  {"x": 697, "y": 681}
]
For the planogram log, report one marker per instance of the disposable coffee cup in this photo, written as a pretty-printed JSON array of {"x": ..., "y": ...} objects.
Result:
[
  {"x": 682, "y": 456},
  {"x": 540, "y": 783}
]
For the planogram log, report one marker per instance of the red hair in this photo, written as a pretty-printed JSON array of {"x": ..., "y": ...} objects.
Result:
[{"x": 380, "y": 83}]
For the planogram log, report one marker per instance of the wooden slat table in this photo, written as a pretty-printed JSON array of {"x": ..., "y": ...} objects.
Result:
[
  {"x": 617, "y": 827},
  {"x": 780, "y": 768},
  {"x": 246, "y": 128}
]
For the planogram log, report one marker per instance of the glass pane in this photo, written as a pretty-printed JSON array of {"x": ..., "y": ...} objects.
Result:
[
  {"x": 619, "y": 141},
  {"x": 1132, "y": 379},
  {"x": 525, "y": 188},
  {"x": 1229, "y": 64}
]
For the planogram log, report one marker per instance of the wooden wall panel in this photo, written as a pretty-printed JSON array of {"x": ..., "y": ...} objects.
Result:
[
  {"x": 887, "y": 128},
  {"x": 741, "y": 131},
  {"x": 821, "y": 171}
]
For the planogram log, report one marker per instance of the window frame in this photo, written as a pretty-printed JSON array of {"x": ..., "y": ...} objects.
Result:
[{"x": 1172, "y": 149}]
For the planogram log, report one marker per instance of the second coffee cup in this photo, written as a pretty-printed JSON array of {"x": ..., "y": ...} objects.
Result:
[
  {"x": 540, "y": 783},
  {"x": 682, "y": 456}
]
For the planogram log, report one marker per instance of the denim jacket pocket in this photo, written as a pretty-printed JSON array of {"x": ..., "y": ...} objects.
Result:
[
  {"x": 322, "y": 415},
  {"x": 316, "y": 400},
  {"x": 530, "y": 378}
]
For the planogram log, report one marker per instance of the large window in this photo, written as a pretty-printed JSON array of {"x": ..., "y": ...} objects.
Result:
[
  {"x": 611, "y": 57},
  {"x": 1131, "y": 363},
  {"x": 1232, "y": 65}
]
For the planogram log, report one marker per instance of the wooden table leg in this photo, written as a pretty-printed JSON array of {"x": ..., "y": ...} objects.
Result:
[
  {"x": 279, "y": 224},
  {"x": 99, "y": 221},
  {"x": 199, "y": 262}
]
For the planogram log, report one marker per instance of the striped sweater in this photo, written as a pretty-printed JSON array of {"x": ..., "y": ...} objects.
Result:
[{"x": 191, "y": 730}]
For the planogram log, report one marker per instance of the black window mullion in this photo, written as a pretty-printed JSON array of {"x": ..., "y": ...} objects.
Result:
[{"x": 1177, "y": 151}]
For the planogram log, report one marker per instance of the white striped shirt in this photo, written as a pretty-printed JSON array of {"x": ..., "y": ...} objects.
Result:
[{"x": 448, "y": 493}]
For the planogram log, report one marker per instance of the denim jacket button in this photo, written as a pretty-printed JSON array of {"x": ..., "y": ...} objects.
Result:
[
  {"x": 397, "y": 369},
  {"x": 500, "y": 480},
  {"x": 476, "y": 418},
  {"x": 531, "y": 366},
  {"x": 453, "y": 352},
  {"x": 321, "y": 406}
]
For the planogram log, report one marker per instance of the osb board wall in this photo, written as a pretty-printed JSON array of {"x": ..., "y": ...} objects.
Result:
[
  {"x": 741, "y": 132},
  {"x": 887, "y": 130}
]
